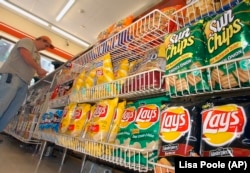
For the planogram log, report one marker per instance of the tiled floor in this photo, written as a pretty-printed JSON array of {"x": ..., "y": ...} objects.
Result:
[
  {"x": 18, "y": 157},
  {"x": 15, "y": 157}
]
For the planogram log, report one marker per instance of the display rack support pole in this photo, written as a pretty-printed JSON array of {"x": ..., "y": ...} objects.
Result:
[
  {"x": 83, "y": 162},
  {"x": 63, "y": 158},
  {"x": 41, "y": 155},
  {"x": 38, "y": 145}
]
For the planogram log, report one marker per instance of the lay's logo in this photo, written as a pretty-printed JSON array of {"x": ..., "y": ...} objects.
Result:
[
  {"x": 175, "y": 122},
  {"x": 222, "y": 124},
  {"x": 78, "y": 113},
  {"x": 101, "y": 111},
  {"x": 147, "y": 115},
  {"x": 128, "y": 117}
]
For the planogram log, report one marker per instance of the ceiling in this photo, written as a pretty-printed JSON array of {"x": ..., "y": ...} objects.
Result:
[{"x": 86, "y": 18}]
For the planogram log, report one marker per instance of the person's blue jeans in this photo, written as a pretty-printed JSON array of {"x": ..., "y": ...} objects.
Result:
[{"x": 12, "y": 96}]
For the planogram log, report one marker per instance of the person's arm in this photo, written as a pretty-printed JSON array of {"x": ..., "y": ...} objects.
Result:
[{"x": 26, "y": 55}]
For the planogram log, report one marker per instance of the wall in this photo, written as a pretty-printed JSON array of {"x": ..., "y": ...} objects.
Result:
[{"x": 29, "y": 28}]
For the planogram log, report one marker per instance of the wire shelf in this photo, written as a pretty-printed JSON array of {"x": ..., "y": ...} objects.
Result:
[
  {"x": 47, "y": 136},
  {"x": 213, "y": 81},
  {"x": 199, "y": 9},
  {"x": 105, "y": 151},
  {"x": 146, "y": 83},
  {"x": 142, "y": 35},
  {"x": 59, "y": 101}
]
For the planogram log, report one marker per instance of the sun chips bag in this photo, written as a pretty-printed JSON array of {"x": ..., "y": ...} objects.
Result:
[{"x": 228, "y": 38}]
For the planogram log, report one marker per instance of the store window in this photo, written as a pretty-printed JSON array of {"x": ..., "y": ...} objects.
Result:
[
  {"x": 47, "y": 64},
  {"x": 5, "y": 48}
]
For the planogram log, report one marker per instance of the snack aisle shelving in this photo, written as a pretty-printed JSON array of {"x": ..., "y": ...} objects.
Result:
[
  {"x": 153, "y": 35},
  {"x": 23, "y": 126},
  {"x": 141, "y": 36}
]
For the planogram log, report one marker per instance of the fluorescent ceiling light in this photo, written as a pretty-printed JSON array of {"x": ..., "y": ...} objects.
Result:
[
  {"x": 64, "y": 10},
  {"x": 25, "y": 13},
  {"x": 58, "y": 30}
]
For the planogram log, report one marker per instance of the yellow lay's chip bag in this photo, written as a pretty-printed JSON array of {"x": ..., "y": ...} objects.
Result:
[
  {"x": 79, "y": 119},
  {"x": 68, "y": 112},
  {"x": 104, "y": 75},
  {"x": 120, "y": 72},
  {"x": 89, "y": 81},
  {"x": 86, "y": 129},
  {"x": 116, "y": 121},
  {"x": 101, "y": 119}
]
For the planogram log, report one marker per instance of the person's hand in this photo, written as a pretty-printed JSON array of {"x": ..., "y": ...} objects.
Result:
[{"x": 41, "y": 72}]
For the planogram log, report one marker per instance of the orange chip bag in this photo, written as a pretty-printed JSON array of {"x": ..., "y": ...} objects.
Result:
[{"x": 120, "y": 25}]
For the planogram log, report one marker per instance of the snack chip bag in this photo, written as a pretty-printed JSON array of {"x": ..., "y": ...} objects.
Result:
[
  {"x": 169, "y": 25},
  {"x": 225, "y": 127},
  {"x": 184, "y": 51},
  {"x": 78, "y": 120},
  {"x": 145, "y": 130},
  {"x": 123, "y": 137},
  {"x": 116, "y": 121},
  {"x": 86, "y": 128},
  {"x": 120, "y": 25},
  {"x": 104, "y": 69},
  {"x": 153, "y": 60},
  {"x": 56, "y": 119},
  {"x": 228, "y": 38},
  {"x": 79, "y": 80},
  {"x": 101, "y": 119},
  {"x": 45, "y": 121},
  {"x": 89, "y": 81},
  {"x": 68, "y": 112},
  {"x": 104, "y": 75},
  {"x": 77, "y": 85},
  {"x": 120, "y": 71},
  {"x": 180, "y": 133},
  {"x": 105, "y": 34}
]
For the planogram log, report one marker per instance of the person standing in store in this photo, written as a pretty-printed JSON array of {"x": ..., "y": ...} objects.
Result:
[{"x": 16, "y": 73}]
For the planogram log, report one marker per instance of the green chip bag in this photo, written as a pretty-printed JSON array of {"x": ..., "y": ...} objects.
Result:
[
  {"x": 228, "y": 38},
  {"x": 185, "y": 50}
]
